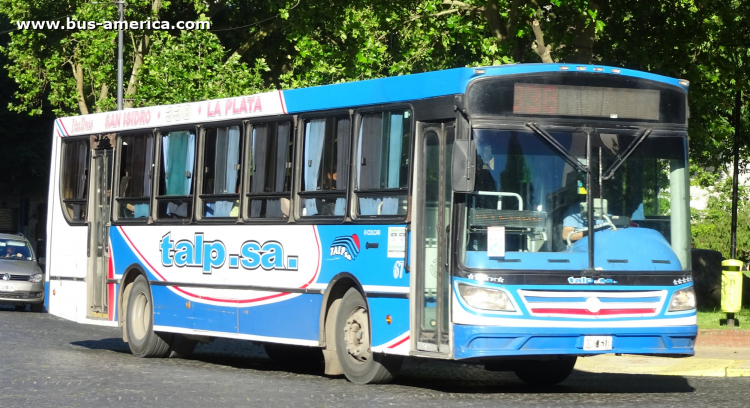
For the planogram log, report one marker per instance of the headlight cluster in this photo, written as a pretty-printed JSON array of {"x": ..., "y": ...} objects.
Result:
[
  {"x": 36, "y": 278},
  {"x": 683, "y": 299},
  {"x": 487, "y": 299}
]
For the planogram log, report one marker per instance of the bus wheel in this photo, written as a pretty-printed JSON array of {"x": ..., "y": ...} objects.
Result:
[
  {"x": 294, "y": 355},
  {"x": 545, "y": 372},
  {"x": 353, "y": 345},
  {"x": 139, "y": 323}
]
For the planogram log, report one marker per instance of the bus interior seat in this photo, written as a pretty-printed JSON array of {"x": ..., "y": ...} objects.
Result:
[{"x": 286, "y": 206}]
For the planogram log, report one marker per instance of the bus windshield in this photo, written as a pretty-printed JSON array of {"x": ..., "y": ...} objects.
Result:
[
  {"x": 14, "y": 250},
  {"x": 529, "y": 206}
]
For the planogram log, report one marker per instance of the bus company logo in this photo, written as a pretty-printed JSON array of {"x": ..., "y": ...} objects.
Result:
[
  {"x": 590, "y": 281},
  {"x": 82, "y": 125},
  {"x": 129, "y": 118},
  {"x": 346, "y": 246},
  {"x": 210, "y": 255}
]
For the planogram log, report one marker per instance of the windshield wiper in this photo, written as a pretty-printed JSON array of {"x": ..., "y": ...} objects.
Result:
[
  {"x": 558, "y": 147},
  {"x": 624, "y": 156}
]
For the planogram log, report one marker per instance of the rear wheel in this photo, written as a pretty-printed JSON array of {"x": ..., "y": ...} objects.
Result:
[
  {"x": 545, "y": 372},
  {"x": 354, "y": 347},
  {"x": 139, "y": 323}
]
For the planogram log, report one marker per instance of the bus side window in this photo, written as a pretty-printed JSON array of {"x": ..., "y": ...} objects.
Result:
[
  {"x": 269, "y": 172},
  {"x": 222, "y": 154},
  {"x": 134, "y": 179},
  {"x": 74, "y": 172},
  {"x": 383, "y": 163},
  {"x": 324, "y": 167},
  {"x": 177, "y": 158}
]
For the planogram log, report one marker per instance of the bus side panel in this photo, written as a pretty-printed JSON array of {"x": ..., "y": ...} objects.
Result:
[
  {"x": 374, "y": 254},
  {"x": 66, "y": 260},
  {"x": 295, "y": 318}
]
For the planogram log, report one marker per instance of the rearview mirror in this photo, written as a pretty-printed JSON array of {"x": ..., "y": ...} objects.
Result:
[{"x": 462, "y": 168}]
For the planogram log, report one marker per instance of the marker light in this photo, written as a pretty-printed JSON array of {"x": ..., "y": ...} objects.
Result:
[
  {"x": 684, "y": 82},
  {"x": 683, "y": 299},
  {"x": 388, "y": 319},
  {"x": 615, "y": 71},
  {"x": 479, "y": 71},
  {"x": 598, "y": 69},
  {"x": 564, "y": 68},
  {"x": 580, "y": 68},
  {"x": 487, "y": 299}
]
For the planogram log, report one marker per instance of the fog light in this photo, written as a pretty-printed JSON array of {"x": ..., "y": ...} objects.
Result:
[{"x": 39, "y": 294}]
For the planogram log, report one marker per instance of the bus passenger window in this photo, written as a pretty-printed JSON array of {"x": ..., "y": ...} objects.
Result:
[
  {"x": 324, "y": 174},
  {"x": 74, "y": 180},
  {"x": 221, "y": 172},
  {"x": 134, "y": 181},
  {"x": 174, "y": 200},
  {"x": 383, "y": 163},
  {"x": 270, "y": 171}
]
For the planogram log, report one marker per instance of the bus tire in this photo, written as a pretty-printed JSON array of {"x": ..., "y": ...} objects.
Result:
[
  {"x": 545, "y": 372},
  {"x": 139, "y": 323},
  {"x": 354, "y": 346}
]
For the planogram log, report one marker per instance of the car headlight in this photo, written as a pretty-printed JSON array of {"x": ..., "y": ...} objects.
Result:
[
  {"x": 487, "y": 299},
  {"x": 683, "y": 299},
  {"x": 36, "y": 278}
]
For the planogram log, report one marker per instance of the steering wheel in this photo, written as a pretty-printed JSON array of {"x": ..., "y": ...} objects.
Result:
[{"x": 607, "y": 223}]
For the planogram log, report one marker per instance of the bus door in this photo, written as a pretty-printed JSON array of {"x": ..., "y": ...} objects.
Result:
[
  {"x": 99, "y": 223},
  {"x": 433, "y": 218}
]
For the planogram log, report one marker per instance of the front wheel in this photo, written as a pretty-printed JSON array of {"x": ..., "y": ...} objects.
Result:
[
  {"x": 139, "y": 323},
  {"x": 354, "y": 346},
  {"x": 545, "y": 372}
]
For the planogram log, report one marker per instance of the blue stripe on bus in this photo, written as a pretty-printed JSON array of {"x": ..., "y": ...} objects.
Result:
[{"x": 425, "y": 85}]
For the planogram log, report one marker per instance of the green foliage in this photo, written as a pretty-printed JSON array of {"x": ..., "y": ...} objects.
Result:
[{"x": 711, "y": 227}]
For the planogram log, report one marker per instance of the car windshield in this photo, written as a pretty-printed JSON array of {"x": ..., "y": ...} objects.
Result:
[
  {"x": 11, "y": 249},
  {"x": 528, "y": 209}
]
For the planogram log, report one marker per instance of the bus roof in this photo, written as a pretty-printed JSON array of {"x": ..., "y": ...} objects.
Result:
[{"x": 345, "y": 95}]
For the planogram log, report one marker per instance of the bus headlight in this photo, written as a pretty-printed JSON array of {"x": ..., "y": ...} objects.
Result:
[
  {"x": 487, "y": 299},
  {"x": 683, "y": 299},
  {"x": 35, "y": 278}
]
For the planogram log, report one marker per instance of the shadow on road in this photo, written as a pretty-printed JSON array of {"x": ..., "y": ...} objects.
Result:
[
  {"x": 441, "y": 376},
  {"x": 115, "y": 344}
]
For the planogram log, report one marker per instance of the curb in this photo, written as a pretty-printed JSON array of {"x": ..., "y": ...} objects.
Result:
[{"x": 731, "y": 338}]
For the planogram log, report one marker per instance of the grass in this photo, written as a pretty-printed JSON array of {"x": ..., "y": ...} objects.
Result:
[{"x": 711, "y": 318}]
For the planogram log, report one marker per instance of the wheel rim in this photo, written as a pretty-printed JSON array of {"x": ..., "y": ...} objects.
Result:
[
  {"x": 357, "y": 335},
  {"x": 141, "y": 316}
]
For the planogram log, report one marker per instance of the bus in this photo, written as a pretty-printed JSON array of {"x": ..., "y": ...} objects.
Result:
[{"x": 516, "y": 216}]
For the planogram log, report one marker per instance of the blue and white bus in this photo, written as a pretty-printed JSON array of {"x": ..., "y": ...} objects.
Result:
[{"x": 515, "y": 216}]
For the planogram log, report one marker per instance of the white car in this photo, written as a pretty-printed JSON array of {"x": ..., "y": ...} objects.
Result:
[{"x": 21, "y": 278}]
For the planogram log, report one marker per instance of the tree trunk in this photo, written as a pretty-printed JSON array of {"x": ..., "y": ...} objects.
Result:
[
  {"x": 492, "y": 15},
  {"x": 78, "y": 75},
  {"x": 258, "y": 36},
  {"x": 141, "y": 50},
  {"x": 584, "y": 37},
  {"x": 539, "y": 46}
]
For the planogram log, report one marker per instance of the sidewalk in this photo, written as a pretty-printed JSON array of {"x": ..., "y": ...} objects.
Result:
[{"x": 718, "y": 353}]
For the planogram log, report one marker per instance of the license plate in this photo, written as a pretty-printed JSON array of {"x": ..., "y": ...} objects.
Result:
[
  {"x": 7, "y": 288},
  {"x": 597, "y": 342}
]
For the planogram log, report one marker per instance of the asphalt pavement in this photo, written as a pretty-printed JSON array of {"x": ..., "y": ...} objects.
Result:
[{"x": 47, "y": 361}]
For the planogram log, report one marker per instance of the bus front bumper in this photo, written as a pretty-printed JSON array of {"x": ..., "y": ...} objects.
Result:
[{"x": 491, "y": 341}]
